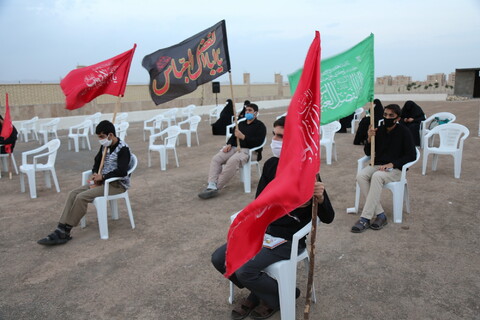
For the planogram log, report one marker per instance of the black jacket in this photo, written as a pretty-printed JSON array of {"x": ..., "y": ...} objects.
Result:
[{"x": 286, "y": 226}]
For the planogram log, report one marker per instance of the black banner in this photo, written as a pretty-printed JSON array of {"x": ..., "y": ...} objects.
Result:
[{"x": 180, "y": 69}]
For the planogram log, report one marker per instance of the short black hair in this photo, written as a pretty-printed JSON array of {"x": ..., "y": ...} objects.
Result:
[
  {"x": 395, "y": 108},
  {"x": 280, "y": 122},
  {"x": 246, "y": 103},
  {"x": 253, "y": 106},
  {"x": 105, "y": 127}
]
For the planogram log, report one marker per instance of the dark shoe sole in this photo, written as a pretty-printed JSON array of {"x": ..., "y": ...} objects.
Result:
[
  {"x": 359, "y": 227},
  {"x": 374, "y": 226},
  {"x": 49, "y": 242},
  {"x": 208, "y": 194}
]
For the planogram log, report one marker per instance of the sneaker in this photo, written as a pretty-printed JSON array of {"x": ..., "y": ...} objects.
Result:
[
  {"x": 55, "y": 238},
  {"x": 208, "y": 193}
]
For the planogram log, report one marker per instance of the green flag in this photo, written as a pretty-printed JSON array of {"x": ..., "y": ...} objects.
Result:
[{"x": 346, "y": 81}]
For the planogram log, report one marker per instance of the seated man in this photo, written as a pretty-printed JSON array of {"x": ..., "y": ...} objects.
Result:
[
  {"x": 116, "y": 164},
  {"x": 394, "y": 147},
  {"x": 251, "y": 134},
  {"x": 263, "y": 300},
  {"x": 11, "y": 140}
]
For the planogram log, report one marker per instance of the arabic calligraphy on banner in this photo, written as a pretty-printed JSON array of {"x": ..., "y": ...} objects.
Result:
[
  {"x": 179, "y": 69},
  {"x": 309, "y": 113}
]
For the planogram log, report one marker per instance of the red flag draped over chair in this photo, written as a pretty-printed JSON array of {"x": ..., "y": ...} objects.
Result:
[
  {"x": 82, "y": 85},
  {"x": 295, "y": 178},
  {"x": 7, "y": 127}
]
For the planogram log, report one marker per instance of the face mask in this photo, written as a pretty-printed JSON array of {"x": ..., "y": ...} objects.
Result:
[
  {"x": 249, "y": 116},
  {"x": 105, "y": 142},
  {"x": 276, "y": 148},
  {"x": 389, "y": 122}
]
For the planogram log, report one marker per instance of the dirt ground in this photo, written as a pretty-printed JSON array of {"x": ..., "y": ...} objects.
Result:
[{"x": 425, "y": 268}]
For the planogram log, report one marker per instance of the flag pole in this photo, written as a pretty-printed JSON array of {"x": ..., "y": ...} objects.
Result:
[
  {"x": 117, "y": 108},
  {"x": 313, "y": 237},
  {"x": 234, "y": 110},
  {"x": 372, "y": 139}
]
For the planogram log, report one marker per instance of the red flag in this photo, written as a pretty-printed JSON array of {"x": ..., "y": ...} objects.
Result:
[
  {"x": 7, "y": 127},
  {"x": 295, "y": 178},
  {"x": 82, "y": 85}
]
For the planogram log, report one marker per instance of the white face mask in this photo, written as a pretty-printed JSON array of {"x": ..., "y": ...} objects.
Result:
[
  {"x": 105, "y": 142},
  {"x": 276, "y": 148}
]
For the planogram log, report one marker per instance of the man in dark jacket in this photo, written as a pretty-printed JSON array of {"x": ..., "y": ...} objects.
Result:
[
  {"x": 12, "y": 139},
  {"x": 251, "y": 133},
  {"x": 394, "y": 147},
  {"x": 263, "y": 300}
]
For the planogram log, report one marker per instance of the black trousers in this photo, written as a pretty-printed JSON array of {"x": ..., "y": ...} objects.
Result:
[{"x": 250, "y": 275}]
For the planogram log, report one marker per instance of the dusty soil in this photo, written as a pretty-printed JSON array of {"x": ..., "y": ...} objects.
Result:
[{"x": 425, "y": 268}]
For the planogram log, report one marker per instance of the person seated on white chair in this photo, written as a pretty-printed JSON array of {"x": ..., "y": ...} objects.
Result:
[
  {"x": 10, "y": 140},
  {"x": 251, "y": 134},
  {"x": 263, "y": 300},
  {"x": 394, "y": 147},
  {"x": 115, "y": 165}
]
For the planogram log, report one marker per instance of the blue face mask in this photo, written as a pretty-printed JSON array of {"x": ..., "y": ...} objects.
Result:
[{"x": 249, "y": 116}]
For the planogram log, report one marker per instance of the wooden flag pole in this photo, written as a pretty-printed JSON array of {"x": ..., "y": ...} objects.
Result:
[
  {"x": 10, "y": 166},
  {"x": 313, "y": 237},
  {"x": 117, "y": 108},
  {"x": 234, "y": 110},
  {"x": 372, "y": 140}
]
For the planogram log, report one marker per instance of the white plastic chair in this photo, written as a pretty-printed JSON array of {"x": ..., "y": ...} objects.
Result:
[
  {"x": 100, "y": 203},
  {"x": 426, "y": 123},
  {"x": 452, "y": 136},
  {"x": 192, "y": 122},
  {"x": 357, "y": 116},
  {"x": 27, "y": 127},
  {"x": 30, "y": 169},
  {"x": 214, "y": 113},
  {"x": 122, "y": 117},
  {"x": 229, "y": 129},
  {"x": 95, "y": 118},
  {"x": 285, "y": 272},
  {"x": 328, "y": 139},
  {"x": 170, "y": 142},
  {"x": 49, "y": 128},
  {"x": 5, "y": 157},
  {"x": 399, "y": 189},
  {"x": 246, "y": 169},
  {"x": 121, "y": 129},
  {"x": 187, "y": 111},
  {"x": 152, "y": 124},
  {"x": 79, "y": 132},
  {"x": 170, "y": 116}
]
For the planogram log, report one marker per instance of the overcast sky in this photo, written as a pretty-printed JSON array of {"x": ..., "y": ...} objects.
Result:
[{"x": 43, "y": 40}]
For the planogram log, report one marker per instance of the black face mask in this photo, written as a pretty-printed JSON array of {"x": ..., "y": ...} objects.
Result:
[{"x": 389, "y": 122}]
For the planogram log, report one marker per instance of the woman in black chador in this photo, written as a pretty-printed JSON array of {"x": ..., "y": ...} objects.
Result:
[
  {"x": 362, "y": 131},
  {"x": 219, "y": 127},
  {"x": 412, "y": 115}
]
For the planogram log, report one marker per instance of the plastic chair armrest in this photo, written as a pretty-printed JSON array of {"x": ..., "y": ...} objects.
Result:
[{"x": 106, "y": 186}]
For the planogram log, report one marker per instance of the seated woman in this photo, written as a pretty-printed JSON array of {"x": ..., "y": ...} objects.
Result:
[
  {"x": 412, "y": 115},
  {"x": 219, "y": 127},
  {"x": 362, "y": 131}
]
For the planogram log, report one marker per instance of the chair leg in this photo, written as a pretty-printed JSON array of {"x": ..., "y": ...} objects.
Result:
[
  {"x": 406, "y": 199},
  {"x": 286, "y": 292},
  {"x": 163, "y": 159},
  {"x": 176, "y": 157},
  {"x": 247, "y": 168},
  {"x": 55, "y": 180},
  {"x": 397, "y": 204},
  {"x": 83, "y": 222},
  {"x": 48, "y": 183},
  {"x": 198, "y": 142},
  {"x": 189, "y": 139},
  {"x": 328, "y": 149},
  {"x": 129, "y": 210},
  {"x": 114, "y": 209},
  {"x": 149, "y": 158},
  {"x": 232, "y": 288},
  {"x": 88, "y": 142},
  {"x": 434, "y": 162},
  {"x": 31, "y": 184},
  {"x": 22, "y": 182},
  {"x": 101, "y": 206},
  {"x": 424, "y": 162},
  {"x": 457, "y": 162},
  {"x": 354, "y": 210},
  {"x": 307, "y": 268}
]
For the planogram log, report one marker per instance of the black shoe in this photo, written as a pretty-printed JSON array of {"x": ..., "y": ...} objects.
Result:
[
  {"x": 55, "y": 238},
  {"x": 360, "y": 226},
  {"x": 379, "y": 222},
  {"x": 208, "y": 193}
]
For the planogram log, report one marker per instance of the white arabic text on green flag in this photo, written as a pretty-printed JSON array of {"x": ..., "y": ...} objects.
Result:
[{"x": 347, "y": 81}]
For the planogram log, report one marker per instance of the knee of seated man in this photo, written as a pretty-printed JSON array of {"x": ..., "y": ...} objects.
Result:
[{"x": 247, "y": 275}]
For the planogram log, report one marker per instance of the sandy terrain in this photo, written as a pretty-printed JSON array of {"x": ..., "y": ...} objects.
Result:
[{"x": 425, "y": 268}]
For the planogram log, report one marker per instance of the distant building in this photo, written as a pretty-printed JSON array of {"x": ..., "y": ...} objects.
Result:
[
  {"x": 439, "y": 78},
  {"x": 451, "y": 79},
  {"x": 384, "y": 81},
  {"x": 401, "y": 80}
]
